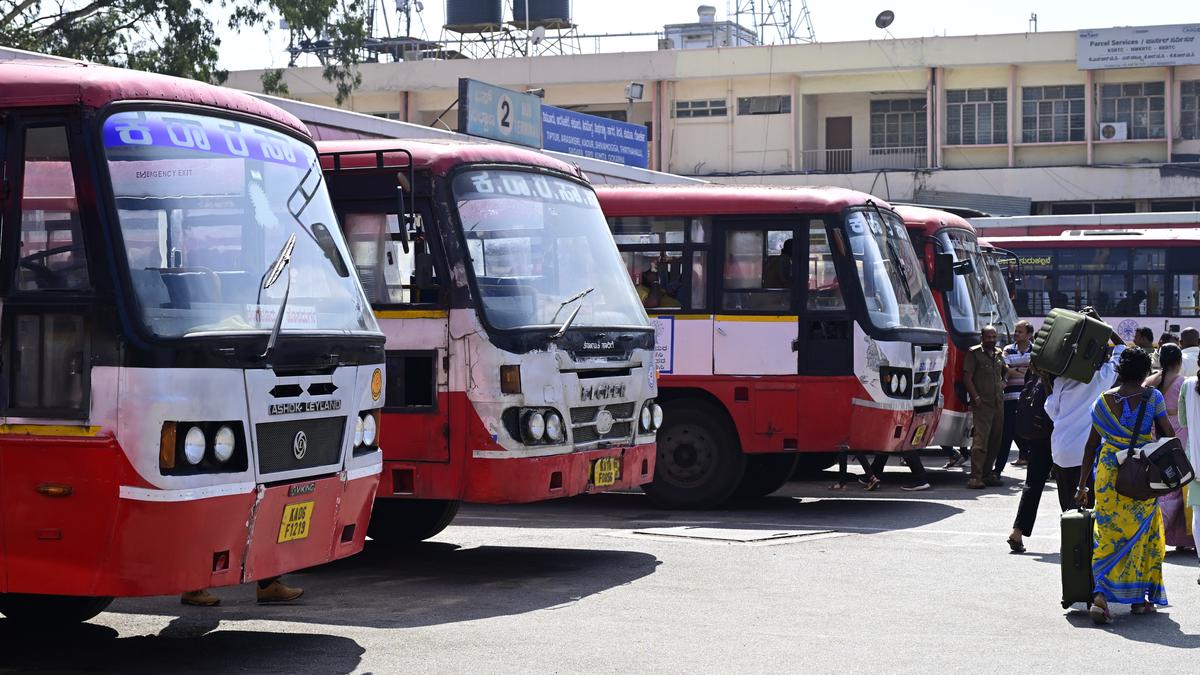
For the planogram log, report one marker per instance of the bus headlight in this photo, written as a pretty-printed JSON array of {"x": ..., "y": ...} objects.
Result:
[
  {"x": 224, "y": 443},
  {"x": 358, "y": 432},
  {"x": 535, "y": 426},
  {"x": 194, "y": 445},
  {"x": 896, "y": 382},
  {"x": 647, "y": 418},
  {"x": 369, "y": 429},
  {"x": 554, "y": 427},
  {"x": 657, "y": 414}
]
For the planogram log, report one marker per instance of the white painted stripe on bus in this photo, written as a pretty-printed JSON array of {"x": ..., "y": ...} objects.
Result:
[
  {"x": 187, "y": 495},
  {"x": 883, "y": 405},
  {"x": 363, "y": 472}
]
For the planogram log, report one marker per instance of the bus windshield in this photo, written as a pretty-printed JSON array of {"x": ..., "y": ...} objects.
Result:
[
  {"x": 208, "y": 209},
  {"x": 540, "y": 249},
  {"x": 1006, "y": 318},
  {"x": 976, "y": 300},
  {"x": 893, "y": 280}
]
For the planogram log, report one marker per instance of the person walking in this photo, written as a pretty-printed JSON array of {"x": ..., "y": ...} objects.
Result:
[
  {"x": 1069, "y": 407},
  {"x": 1035, "y": 428},
  {"x": 1016, "y": 357},
  {"x": 1128, "y": 552},
  {"x": 1189, "y": 409},
  {"x": 1189, "y": 340},
  {"x": 983, "y": 375},
  {"x": 1169, "y": 381}
]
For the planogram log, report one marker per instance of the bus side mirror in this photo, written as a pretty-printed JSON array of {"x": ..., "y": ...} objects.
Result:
[
  {"x": 327, "y": 245},
  {"x": 402, "y": 234},
  {"x": 943, "y": 272}
]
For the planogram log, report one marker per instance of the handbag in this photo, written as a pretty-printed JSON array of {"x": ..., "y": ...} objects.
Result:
[
  {"x": 1154, "y": 469},
  {"x": 1033, "y": 423}
]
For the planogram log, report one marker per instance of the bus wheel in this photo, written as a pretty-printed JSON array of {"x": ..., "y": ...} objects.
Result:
[
  {"x": 809, "y": 465},
  {"x": 408, "y": 521},
  {"x": 50, "y": 610},
  {"x": 700, "y": 461},
  {"x": 765, "y": 474}
]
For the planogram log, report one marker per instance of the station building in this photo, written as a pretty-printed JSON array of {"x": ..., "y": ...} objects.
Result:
[{"x": 1008, "y": 124}]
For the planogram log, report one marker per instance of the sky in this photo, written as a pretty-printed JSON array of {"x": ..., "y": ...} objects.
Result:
[{"x": 832, "y": 20}]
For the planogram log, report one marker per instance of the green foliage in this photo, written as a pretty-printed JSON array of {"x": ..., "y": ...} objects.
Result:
[
  {"x": 272, "y": 82},
  {"x": 178, "y": 37}
]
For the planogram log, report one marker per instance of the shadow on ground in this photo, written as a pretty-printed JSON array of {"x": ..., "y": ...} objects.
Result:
[
  {"x": 186, "y": 645},
  {"x": 1156, "y": 629},
  {"x": 423, "y": 585}
]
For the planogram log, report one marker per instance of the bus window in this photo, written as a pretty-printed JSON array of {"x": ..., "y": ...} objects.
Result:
[
  {"x": 1033, "y": 296},
  {"x": 1147, "y": 297},
  {"x": 757, "y": 270},
  {"x": 1104, "y": 292},
  {"x": 52, "y": 255},
  {"x": 824, "y": 292},
  {"x": 699, "y": 278},
  {"x": 1187, "y": 294}
]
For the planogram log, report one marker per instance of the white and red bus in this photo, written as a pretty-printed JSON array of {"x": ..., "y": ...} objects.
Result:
[
  {"x": 1144, "y": 277},
  {"x": 976, "y": 296},
  {"x": 790, "y": 323},
  {"x": 191, "y": 373},
  {"x": 520, "y": 362}
]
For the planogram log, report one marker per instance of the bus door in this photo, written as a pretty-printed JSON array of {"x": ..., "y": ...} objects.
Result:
[
  {"x": 755, "y": 329},
  {"x": 403, "y": 289},
  {"x": 825, "y": 345},
  {"x": 52, "y": 463}
]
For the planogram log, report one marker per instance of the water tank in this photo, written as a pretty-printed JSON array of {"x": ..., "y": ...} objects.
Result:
[
  {"x": 553, "y": 14},
  {"x": 474, "y": 16},
  {"x": 707, "y": 13}
]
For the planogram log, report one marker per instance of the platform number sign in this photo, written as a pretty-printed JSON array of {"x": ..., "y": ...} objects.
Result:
[{"x": 499, "y": 114}]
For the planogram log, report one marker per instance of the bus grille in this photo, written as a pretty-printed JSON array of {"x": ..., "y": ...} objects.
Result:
[
  {"x": 583, "y": 423},
  {"x": 277, "y": 444}
]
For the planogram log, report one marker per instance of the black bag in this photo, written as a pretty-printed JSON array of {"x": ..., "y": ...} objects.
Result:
[
  {"x": 1154, "y": 469},
  {"x": 1076, "y": 557},
  {"x": 1033, "y": 423}
]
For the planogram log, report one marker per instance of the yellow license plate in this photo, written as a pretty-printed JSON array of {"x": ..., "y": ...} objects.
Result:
[
  {"x": 296, "y": 519},
  {"x": 606, "y": 471},
  {"x": 919, "y": 436}
]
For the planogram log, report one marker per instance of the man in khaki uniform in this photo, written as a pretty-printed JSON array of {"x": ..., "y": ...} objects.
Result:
[{"x": 983, "y": 373}]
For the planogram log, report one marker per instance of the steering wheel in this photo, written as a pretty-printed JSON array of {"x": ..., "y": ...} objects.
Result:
[{"x": 53, "y": 278}]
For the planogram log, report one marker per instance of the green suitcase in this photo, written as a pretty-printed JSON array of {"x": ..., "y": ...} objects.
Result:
[
  {"x": 1076, "y": 557},
  {"x": 1071, "y": 345}
]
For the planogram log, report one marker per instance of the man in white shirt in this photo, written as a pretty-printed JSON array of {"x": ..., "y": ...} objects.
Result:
[
  {"x": 1069, "y": 406},
  {"x": 1189, "y": 341}
]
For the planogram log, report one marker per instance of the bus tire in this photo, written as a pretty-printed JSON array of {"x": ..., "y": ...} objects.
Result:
[
  {"x": 50, "y": 610},
  {"x": 700, "y": 461},
  {"x": 809, "y": 465},
  {"x": 408, "y": 521},
  {"x": 765, "y": 474}
]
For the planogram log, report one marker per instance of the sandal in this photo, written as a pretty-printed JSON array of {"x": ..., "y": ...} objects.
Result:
[
  {"x": 1143, "y": 608},
  {"x": 1015, "y": 546},
  {"x": 841, "y": 487},
  {"x": 873, "y": 483},
  {"x": 1100, "y": 615}
]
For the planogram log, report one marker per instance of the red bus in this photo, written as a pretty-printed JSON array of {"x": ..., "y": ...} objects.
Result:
[
  {"x": 521, "y": 364},
  {"x": 191, "y": 372},
  {"x": 976, "y": 297},
  {"x": 1142, "y": 277},
  {"x": 791, "y": 322}
]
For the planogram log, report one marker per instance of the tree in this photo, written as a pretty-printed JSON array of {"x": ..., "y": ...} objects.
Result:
[{"x": 178, "y": 37}]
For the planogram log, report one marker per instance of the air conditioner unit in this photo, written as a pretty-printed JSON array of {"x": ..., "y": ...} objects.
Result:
[
  {"x": 665, "y": 43},
  {"x": 1114, "y": 131}
]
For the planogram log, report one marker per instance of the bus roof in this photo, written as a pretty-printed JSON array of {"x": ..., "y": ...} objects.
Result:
[
  {"x": 931, "y": 220},
  {"x": 1051, "y": 225},
  {"x": 436, "y": 155},
  {"x": 719, "y": 199},
  {"x": 1107, "y": 238},
  {"x": 52, "y": 81}
]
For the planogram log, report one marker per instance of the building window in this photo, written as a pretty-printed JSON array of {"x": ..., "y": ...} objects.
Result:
[
  {"x": 898, "y": 124},
  {"x": 1052, "y": 114},
  {"x": 976, "y": 116},
  {"x": 387, "y": 115},
  {"x": 706, "y": 107},
  {"x": 764, "y": 105},
  {"x": 1189, "y": 109},
  {"x": 1140, "y": 105}
]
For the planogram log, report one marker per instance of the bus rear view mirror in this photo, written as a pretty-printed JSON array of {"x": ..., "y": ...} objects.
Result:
[{"x": 943, "y": 272}]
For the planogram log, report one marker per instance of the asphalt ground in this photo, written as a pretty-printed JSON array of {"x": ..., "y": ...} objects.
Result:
[{"x": 806, "y": 580}]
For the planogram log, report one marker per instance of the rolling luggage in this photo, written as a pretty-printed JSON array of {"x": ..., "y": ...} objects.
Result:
[
  {"x": 1076, "y": 557},
  {"x": 1071, "y": 345}
]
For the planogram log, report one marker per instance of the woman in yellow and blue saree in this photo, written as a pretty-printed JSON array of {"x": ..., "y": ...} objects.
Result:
[{"x": 1129, "y": 547}]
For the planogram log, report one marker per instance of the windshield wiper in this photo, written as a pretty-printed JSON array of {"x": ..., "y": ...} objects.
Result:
[
  {"x": 908, "y": 295},
  {"x": 570, "y": 319},
  {"x": 269, "y": 279}
]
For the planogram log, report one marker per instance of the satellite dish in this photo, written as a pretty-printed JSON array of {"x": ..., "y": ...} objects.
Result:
[
  {"x": 885, "y": 18},
  {"x": 539, "y": 34}
]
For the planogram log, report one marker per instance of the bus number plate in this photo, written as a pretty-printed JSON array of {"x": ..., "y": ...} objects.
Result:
[
  {"x": 606, "y": 471},
  {"x": 919, "y": 436},
  {"x": 296, "y": 519}
]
